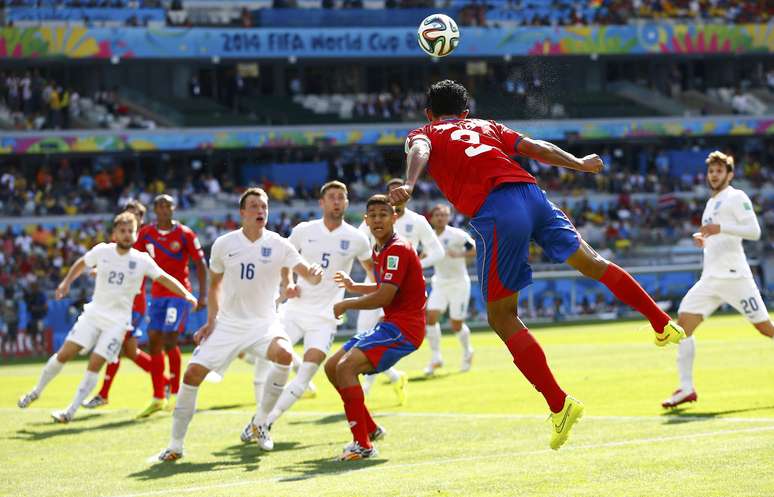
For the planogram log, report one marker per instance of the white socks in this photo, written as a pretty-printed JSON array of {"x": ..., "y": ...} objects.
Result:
[
  {"x": 50, "y": 370},
  {"x": 368, "y": 382},
  {"x": 433, "y": 335},
  {"x": 293, "y": 391},
  {"x": 259, "y": 378},
  {"x": 686, "y": 351},
  {"x": 181, "y": 418},
  {"x": 272, "y": 389},
  {"x": 392, "y": 374},
  {"x": 297, "y": 362},
  {"x": 464, "y": 337},
  {"x": 88, "y": 383}
]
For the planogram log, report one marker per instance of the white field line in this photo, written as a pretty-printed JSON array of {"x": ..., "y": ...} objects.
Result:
[
  {"x": 436, "y": 462},
  {"x": 449, "y": 415}
]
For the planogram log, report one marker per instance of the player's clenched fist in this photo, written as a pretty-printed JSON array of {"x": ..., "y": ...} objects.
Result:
[
  {"x": 592, "y": 163},
  {"x": 61, "y": 291},
  {"x": 339, "y": 308},
  {"x": 400, "y": 195},
  {"x": 203, "y": 333}
]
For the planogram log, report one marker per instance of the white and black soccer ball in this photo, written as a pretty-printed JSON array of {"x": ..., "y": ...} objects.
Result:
[{"x": 438, "y": 35}]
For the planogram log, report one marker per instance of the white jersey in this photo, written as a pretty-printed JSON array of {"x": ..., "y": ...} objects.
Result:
[
  {"x": 119, "y": 279},
  {"x": 414, "y": 228},
  {"x": 724, "y": 255},
  {"x": 251, "y": 276},
  {"x": 333, "y": 251},
  {"x": 453, "y": 268}
]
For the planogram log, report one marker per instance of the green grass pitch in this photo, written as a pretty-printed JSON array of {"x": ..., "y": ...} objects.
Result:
[{"x": 475, "y": 434}]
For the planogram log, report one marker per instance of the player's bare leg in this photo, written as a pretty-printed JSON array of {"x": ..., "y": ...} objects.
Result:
[
  {"x": 280, "y": 356},
  {"x": 130, "y": 350},
  {"x": 433, "y": 336},
  {"x": 89, "y": 381},
  {"x": 298, "y": 387},
  {"x": 589, "y": 263},
  {"x": 53, "y": 367},
  {"x": 343, "y": 369},
  {"x": 529, "y": 357},
  {"x": 184, "y": 410}
]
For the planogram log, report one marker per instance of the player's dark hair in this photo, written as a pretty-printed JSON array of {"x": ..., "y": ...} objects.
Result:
[
  {"x": 332, "y": 184},
  {"x": 718, "y": 157},
  {"x": 394, "y": 183},
  {"x": 380, "y": 199},
  {"x": 125, "y": 218},
  {"x": 447, "y": 98},
  {"x": 136, "y": 206},
  {"x": 252, "y": 191}
]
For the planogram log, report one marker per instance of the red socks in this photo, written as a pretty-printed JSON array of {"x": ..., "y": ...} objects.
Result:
[
  {"x": 632, "y": 294},
  {"x": 157, "y": 375},
  {"x": 355, "y": 409},
  {"x": 174, "y": 369},
  {"x": 529, "y": 357},
  {"x": 110, "y": 374},
  {"x": 143, "y": 360}
]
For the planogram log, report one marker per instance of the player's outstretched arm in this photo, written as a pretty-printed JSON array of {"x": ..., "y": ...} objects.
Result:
[
  {"x": 343, "y": 280},
  {"x": 310, "y": 272},
  {"x": 75, "y": 271},
  {"x": 375, "y": 300},
  {"x": 175, "y": 286},
  {"x": 548, "y": 153},
  {"x": 201, "y": 276},
  {"x": 416, "y": 161}
]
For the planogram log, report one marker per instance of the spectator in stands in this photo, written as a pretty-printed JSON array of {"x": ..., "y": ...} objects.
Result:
[
  {"x": 10, "y": 314},
  {"x": 37, "y": 306}
]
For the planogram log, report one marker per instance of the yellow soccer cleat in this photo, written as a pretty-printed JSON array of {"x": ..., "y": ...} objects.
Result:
[
  {"x": 400, "y": 387},
  {"x": 155, "y": 406},
  {"x": 171, "y": 403},
  {"x": 310, "y": 392},
  {"x": 673, "y": 333},
  {"x": 563, "y": 421}
]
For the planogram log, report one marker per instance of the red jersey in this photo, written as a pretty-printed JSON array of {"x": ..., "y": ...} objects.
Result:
[
  {"x": 140, "y": 303},
  {"x": 469, "y": 158},
  {"x": 171, "y": 250},
  {"x": 398, "y": 264}
]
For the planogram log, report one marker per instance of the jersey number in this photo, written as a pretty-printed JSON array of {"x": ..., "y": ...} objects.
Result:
[
  {"x": 247, "y": 271},
  {"x": 749, "y": 305},
  {"x": 472, "y": 137},
  {"x": 115, "y": 278},
  {"x": 325, "y": 260}
]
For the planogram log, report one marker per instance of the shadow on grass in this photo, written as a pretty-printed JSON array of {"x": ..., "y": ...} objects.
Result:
[
  {"x": 311, "y": 468},
  {"x": 326, "y": 420},
  {"x": 70, "y": 429},
  {"x": 433, "y": 377},
  {"x": 685, "y": 415},
  {"x": 226, "y": 407}
]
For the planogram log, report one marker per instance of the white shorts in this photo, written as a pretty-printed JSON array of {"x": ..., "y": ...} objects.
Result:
[
  {"x": 455, "y": 295},
  {"x": 104, "y": 337},
  {"x": 225, "y": 343},
  {"x": 740, "y": 293},
  {"x": 317, "y": 333},
  {"x": 368, "y": 319}
]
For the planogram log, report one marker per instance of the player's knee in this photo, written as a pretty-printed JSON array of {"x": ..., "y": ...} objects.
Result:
[
  {"x": 194, "y": 375},
  {"x": 330, "y": 370},
  {"x": 283, "y": 356},
  {"x": 456, "y": 326}
]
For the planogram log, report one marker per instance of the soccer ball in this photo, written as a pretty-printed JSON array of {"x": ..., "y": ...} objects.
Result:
[{"x": 438, "y": 35}]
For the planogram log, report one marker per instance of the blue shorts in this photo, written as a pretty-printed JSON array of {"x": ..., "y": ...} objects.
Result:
[
  {"x": 168, "y": 314},
  {"x": 512, "y": 215},
  {"x": 384, "y": 346}
]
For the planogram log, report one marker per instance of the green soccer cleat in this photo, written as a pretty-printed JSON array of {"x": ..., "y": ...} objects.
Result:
[
  {"x": 563, "y": 421},
  {"x": 155, "y": 406},
  {"x": 400, "y": 388},
  {"x": 672, "y": 333}
]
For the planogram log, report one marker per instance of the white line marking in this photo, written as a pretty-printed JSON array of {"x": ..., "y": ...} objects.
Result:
[{"x": 435, "y": 462}]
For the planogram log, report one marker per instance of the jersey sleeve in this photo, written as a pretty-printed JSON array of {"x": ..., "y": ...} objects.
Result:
[
  {"x": 364, "y": 251},
  {"x": 91, "y": 257},
  {"x": 395, "y": 264},
  {"x": 192, "y": 244},
  {"x": 216, "y": 257},
  {"x": 291, "y": 258},
  {"x": 417, "y": 134},
  {"x": 296, "y": 235},
  {"x": 431, "y": 246},
  {"x": 509, "y": 138},
  {"x": 746, "y": 225},
  {"x": 152, "y": 270}
]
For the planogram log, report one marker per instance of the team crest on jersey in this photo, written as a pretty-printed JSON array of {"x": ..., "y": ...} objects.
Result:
[
  {"x": 409, "y": 228},
  {"x": 392, "y": 262},
  {"x": 175, "y": 246},
  {"x": 265, "y": 251},
  {"x": 344, "y": 244},
  {"x": 132, "y": 265}
]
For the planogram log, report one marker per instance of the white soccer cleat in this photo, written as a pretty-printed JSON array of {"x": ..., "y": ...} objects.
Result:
[
  {"x": 169, "y": 455},
  {"x": 96, "y": 401},
  {"x": 248, "y": 433},
  {"x": 467, "y": 362},
  {"x": 378, "y": 434},
  {"x": 263, "y": 437},
  {"x": 678, "y": 397},
  {"x": 430, "y": 369},
  {"x": 27, "y": 399},
  {"x": 62, "y": 417},
  {"x": 354, "y": 452}
]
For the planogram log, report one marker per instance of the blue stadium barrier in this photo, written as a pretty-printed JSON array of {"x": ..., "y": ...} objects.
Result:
[
  {"x": 314, "y": 18},
  {"x": 71, "y": 14}
]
